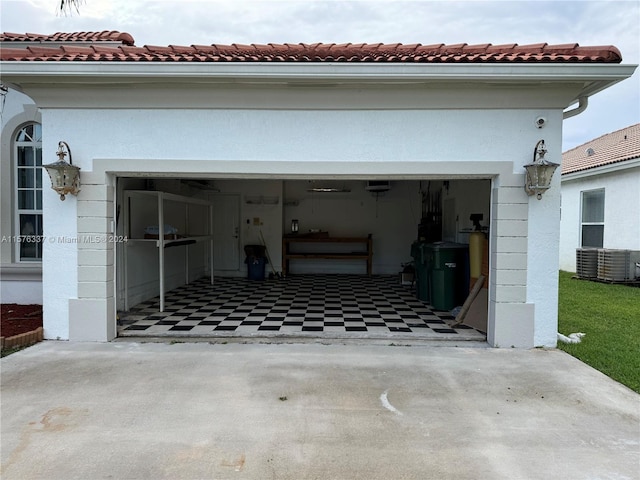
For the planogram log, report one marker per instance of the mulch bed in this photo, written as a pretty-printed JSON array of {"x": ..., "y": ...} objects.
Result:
[{"x": 16, "y": 319}]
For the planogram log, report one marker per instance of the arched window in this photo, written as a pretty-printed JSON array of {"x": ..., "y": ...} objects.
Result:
[{"x": 28, "y": 199}]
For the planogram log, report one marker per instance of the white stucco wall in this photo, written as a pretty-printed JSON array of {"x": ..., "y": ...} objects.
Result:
[
  {"x": 22, "y": 292},
  {"x": 295, "y": 136},
  {"x": 349, "y": 143},
  {"x": 543, "y": 248},
  {"x": 621, "y": 215},
  {"x": 59, "y": 252}
]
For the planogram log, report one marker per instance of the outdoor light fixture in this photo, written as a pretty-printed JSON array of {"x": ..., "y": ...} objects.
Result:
[
  {"x": 65, "y": 177},
  {"x": 539, "y": 172}
]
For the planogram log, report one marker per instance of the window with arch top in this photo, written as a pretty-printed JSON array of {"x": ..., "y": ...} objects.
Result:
[{"x": 28, "y": 192}]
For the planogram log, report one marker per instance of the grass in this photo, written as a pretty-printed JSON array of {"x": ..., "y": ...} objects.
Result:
[
  {"x": 8, "y": 351},
  {"x": 610, "y": 317}
]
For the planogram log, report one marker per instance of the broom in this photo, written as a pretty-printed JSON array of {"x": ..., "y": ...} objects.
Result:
[{"x": 266, "y": 250}]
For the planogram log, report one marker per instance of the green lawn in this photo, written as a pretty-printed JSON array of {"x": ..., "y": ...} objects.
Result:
[{"x": 610, "y": 316}]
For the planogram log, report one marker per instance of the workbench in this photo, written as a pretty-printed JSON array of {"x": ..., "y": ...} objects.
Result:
[{"x": 288, "y": 255}]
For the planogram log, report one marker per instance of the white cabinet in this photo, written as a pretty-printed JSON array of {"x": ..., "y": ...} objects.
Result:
[{"x": 191, "y": 217}]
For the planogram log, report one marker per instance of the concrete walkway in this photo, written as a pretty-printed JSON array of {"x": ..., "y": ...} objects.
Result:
[{"x": 252, "y": 411}]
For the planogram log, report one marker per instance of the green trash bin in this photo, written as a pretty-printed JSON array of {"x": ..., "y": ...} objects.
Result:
[
  {"x": 419, "y": 254},
  {"x": 445, "y": 268}
]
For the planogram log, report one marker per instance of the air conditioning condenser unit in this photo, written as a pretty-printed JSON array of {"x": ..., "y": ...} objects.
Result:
[
  {"x": 618, "y": 265},
  {"x": 586, "y": 262}
]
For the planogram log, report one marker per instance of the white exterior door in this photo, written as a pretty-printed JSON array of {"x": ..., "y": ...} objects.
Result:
[{"x": 226, "y": 232}]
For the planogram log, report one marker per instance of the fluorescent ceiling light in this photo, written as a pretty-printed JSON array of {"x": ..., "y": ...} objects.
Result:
[{"x": 329, "y": 190}]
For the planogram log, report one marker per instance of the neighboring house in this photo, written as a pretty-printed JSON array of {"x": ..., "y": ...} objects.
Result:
[
  {"x": 601, "y": 195},
  {"x": 255, "y": 129}
]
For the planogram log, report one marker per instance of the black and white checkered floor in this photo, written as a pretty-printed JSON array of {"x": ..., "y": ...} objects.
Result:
[{"x": 340, "y": 306}]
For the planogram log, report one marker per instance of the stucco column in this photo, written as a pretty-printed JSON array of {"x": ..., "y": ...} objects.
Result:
[
  {"x": 544, "y": 261},
  {"x": 59, "y": 258},
  {"x": 92, "y": 315},
  {"x": 511, "y": 318}
]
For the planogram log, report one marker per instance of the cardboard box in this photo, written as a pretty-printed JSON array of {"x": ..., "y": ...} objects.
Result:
[{"x": 406, "y": 278}]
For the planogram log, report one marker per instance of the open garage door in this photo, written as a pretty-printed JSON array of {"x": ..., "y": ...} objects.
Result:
[{"x": 339, "y": 259}]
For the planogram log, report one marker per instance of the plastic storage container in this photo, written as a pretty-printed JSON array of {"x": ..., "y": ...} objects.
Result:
[
  {"x": 255, "y": 267},
  {"x": 256, "y": 261}
]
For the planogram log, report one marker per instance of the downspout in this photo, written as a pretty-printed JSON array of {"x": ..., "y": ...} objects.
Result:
[
  {"x": 582, "y": 106},
  {"x": 583, "y": 102}
]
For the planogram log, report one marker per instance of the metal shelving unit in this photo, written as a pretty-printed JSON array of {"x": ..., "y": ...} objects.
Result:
[{"x": 161, "y": 243}]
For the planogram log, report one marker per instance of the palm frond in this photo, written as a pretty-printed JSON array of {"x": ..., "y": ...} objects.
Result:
[{"x": 67, "y": 6}]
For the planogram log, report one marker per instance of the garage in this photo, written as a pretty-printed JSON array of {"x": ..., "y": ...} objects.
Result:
[
  {"x": 296, "y": 132},
  {"x": 332, "y": 266}
]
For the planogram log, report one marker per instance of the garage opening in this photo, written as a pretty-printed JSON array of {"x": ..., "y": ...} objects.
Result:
[{"x": 381, "y": 258}]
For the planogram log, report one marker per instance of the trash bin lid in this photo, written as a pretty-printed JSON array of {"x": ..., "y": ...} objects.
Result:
[
  {"x": 254, "y": 250},
  {"x": 446, "y": 245}
]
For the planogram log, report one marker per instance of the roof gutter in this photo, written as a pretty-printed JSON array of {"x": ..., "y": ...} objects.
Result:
[
  {"x": 583, "y": 102},
  {"x": 598, "y": 77}
]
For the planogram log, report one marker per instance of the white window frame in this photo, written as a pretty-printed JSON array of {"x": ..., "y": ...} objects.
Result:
[
  {"x": 22, "y": 241},
  {"x": 592, "y": 223}
]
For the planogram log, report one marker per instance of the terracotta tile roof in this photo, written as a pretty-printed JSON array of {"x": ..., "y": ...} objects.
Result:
[
  {"x": 78, "y": 37},
  {"x": 321, "y": 52},
  {"x": 611, "y": 148}
]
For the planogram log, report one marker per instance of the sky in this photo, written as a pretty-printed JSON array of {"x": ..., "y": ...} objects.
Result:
[{"x": 203, "y": 22}]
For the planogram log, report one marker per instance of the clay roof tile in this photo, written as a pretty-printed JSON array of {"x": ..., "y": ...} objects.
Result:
[
  {"x": 159, "y": 49},
  {"x": 501, "y": 49},
  {"x": 389, "y": 47},
  {"x": 453, "y": 48},
  {"x": 12, "y": 54},
  {"x": 531, "y": 48},
  {"x": 561, "y": 48},
  {"x": 212, "y": 49},
  {"x": 183, "y": 50},
  {"x": 341, "y": 46},
  {"x": 239, "y": 46},
  {"x": 615, "y": 147},
  {"x": 289, "y": 52},
  {"x": 476, "y": 48},
  {"x": 68, "y": 37}
]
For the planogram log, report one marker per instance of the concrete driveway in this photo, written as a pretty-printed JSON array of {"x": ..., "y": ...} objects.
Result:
[{"x": 296, "y": 411}]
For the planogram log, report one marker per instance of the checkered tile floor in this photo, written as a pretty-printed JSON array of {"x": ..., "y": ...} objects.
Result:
[{"x": 310, "y": 305}]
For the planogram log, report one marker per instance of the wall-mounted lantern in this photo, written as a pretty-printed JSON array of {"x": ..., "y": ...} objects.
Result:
[
  {"x": 539, "y": 172},
  {"x": 65, "y": 177}
]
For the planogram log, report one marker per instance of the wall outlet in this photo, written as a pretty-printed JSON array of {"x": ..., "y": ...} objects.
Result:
[{"x": 256, "y": 221}]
